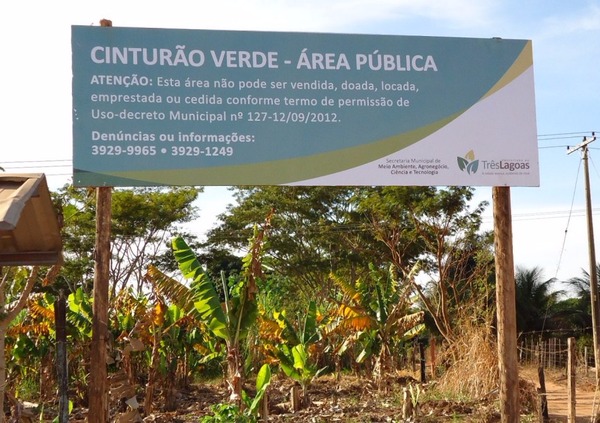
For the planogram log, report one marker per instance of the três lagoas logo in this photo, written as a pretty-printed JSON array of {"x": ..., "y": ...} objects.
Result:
[{"x": 468, "y": 163}]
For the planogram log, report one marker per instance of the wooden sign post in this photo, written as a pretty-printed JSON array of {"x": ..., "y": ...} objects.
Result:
[
  {"x": 506, "y": 306},
  {"x": 98, "y": 392}
]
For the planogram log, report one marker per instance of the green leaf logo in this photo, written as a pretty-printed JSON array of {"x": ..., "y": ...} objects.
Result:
[{"x": 468, "y": 163}]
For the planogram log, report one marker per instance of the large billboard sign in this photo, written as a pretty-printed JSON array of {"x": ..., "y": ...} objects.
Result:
[{"x": 197, "y": 107}]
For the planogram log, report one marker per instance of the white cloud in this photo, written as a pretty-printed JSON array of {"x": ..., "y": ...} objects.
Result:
[{"x": 577, "y": 21}]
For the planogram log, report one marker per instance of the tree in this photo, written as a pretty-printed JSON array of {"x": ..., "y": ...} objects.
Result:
[
  {"x": 295, "y": 346},
  {"x": 387, "y": 214},
  {"x": 319, "y": 230},
  {"x": 437, "y": 229},
  {"x": 306, "y": 240},
  {"x": 576, "y": 311},
  {"x": 581, "y": 288},
  {"x": 15, "y": 288},
  {"x": 534, "y": 300},
  {"x": 143, "y": 219}
]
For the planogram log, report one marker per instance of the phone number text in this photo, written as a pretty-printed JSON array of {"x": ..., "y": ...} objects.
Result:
[{"x": 151, "y": 150}]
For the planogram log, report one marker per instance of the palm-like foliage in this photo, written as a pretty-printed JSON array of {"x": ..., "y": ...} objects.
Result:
[
  {"x": 535, "y": 300},
  {"x": 30, "y": 344},
  {"x": 579, "y": 312},
  {"x": 204, "y": 295},
  {"x": 380, "y": 321},
  {"x": 229, "y": 321},
  {"x": 581, "y": 288},
  {"x": 296, "y": 350}
]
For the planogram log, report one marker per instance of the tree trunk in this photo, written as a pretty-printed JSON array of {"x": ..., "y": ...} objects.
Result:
[
  {"x": 234, "y": 374},
  {"x": 423, "y": 364},
  {"x": 170, "y": 394},
  {"x": 48, "y": 377},
  {"x": 407, "y": 405},
  {"x": 60, "y": 319},
  {"x": 296, "y": 403},
  {"x": 2, "y": 371},
  {"x": 152, "y": 374}
]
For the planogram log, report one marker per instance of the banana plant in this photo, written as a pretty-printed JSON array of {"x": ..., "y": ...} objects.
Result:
[
  {"x": 225, "y": 413},
  {"x": 30, "y": 342},
  {"x": 263, "y": 380},
  {"x": 228, "y": 321},
  {"x": 81, "y": 312},
  {"x": 376, "y": 322},
  {"x": 294, "y": 350}
]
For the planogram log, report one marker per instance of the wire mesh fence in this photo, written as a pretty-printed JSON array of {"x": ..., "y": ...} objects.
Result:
[{"x": 552, "y": 353}]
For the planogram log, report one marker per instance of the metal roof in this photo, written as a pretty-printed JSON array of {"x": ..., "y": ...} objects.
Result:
[{"x": 29, "y": 228}]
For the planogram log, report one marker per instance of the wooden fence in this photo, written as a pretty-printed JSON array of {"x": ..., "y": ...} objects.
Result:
[{"x": 552, "y": 353}]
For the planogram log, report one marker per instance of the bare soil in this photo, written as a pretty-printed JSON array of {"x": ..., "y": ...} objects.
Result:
[
  {"x": 355, "y": 399},
  {"x": 587, "y": 401},
  {"x": 352, "y": 399}
]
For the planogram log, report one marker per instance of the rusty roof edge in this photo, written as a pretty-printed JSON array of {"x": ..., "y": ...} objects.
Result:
[{"x": 11, "y": 208}]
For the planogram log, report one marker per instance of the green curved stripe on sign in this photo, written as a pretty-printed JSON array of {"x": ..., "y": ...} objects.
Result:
[{"x": 281, "y": 171}]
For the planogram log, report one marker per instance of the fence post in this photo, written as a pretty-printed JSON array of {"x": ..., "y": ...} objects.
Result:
[
  {"x": 521, "y": 351},
  {"x": 543, "y": 414},
  {"x": 423, "y": 368},
  {"x": 60, "y": 318},
  {"x": 414, "y": 357},
  {"x": 532, "y": 350},
  {"x": 571, "y": 416},
  {"x": 544, "y": 353},
  {"x": 432, "y": 351}
]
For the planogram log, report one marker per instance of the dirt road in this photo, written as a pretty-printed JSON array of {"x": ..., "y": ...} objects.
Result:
[{"x": 556, "y": 390}]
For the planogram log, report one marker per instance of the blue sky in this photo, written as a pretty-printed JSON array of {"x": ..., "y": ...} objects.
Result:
[{"x": 36, "y": 87}]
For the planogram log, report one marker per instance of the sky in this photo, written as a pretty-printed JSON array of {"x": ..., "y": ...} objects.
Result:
[{"x": 549, "y": 225}]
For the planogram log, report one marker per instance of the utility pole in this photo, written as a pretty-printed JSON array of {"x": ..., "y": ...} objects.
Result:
[{"x": 591, "y": 249}]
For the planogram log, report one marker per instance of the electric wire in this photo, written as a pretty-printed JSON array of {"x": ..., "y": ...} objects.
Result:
[
  {"x": 562, "y": 249},
  {"x": 594, "y": 166}
]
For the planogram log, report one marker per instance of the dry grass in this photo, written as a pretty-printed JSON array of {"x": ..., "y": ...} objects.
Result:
[
  {"x": 473, "y": 368},
  {"x": 473, "y": 372}
]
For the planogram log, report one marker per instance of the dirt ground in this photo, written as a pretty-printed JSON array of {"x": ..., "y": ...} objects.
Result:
[
  {"x": 357, "y": 400},
  {"x": 587, "y": 398},
  {"x": 352, "y": 399}
]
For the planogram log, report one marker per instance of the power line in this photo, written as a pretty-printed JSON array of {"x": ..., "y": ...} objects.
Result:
[
  {"x": 571, "y": 211},
  {"x": 554, "y": 214},
  {"x": 563, "y": 135},
  {"x": 45, "y": 166},
  {"x": 40, "y": 161}
]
